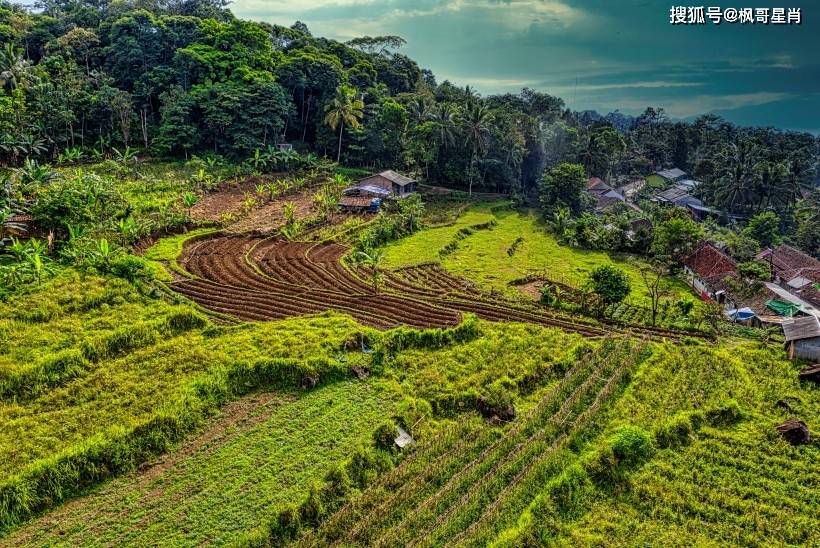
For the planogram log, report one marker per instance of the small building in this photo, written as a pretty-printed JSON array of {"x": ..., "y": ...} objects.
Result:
[
  {"x": 795, "y": 271},
  {"x": 802, "y": 337},
  {"x": 706, "y": 268},
  {"x": 395, "y": 184},
  {"x": 666, "y": 177},
  {"x": 360, "y": 204},
  {"x": 679, "y": 195},
  {"x": 604, "y": 196}
]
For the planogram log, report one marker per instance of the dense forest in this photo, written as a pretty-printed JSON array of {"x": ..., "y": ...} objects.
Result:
[{"x": 83, "y": 78}]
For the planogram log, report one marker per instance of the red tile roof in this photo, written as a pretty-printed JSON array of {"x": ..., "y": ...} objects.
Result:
[
  {"x": 708, "y": 261},
  {"x": 789, "y": 262}
]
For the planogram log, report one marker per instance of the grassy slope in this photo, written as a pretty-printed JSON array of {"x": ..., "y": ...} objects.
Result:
[
  {"x": 263, "y": 451},
  {"x": 123, "y": 390},
  {"x": 738, "y": 484},
  {"x": 483, "y": 257}
]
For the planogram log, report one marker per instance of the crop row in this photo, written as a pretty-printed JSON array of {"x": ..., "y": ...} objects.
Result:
[
  {"x": 254, "y": 279},
  {"x": 462, "y": 480}
]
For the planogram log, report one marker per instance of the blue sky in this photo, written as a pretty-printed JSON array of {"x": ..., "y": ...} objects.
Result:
[{"x": 600, "y": 54}]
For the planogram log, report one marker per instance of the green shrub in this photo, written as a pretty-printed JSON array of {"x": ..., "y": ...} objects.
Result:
[
  {"x": 120, "y": 342},
  {"x": 42, "y": 313},
  {"x": 385, "y": 435},
  {"x": 131, "y": 268},
  {"x": 569, "y": 490},
  {"x": 725, "y": 414},
  {"x": 676, "y": 431},
  {"x": 625, "y": 450},
  {"x": 53, "y": 371},
  {"x": 185, "y": 319}
]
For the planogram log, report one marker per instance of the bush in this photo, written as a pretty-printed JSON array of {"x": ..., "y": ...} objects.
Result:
[
  {"x": 184, "y": 320},
  {"x": 53, "y": 371},
  {"x": 131, "y": 268},
  {"x": 676, "y": 431},
  {"x": 385, "y": 435},
  {"x": 627, "y": 449},
  {"x": 120, "y": 342},
  {"x": 569, "y": 490},
  {"x": 726, "y": 414}
]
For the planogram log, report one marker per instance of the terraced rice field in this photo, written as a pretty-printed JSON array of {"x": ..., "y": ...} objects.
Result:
[
  {"x": 256, "y": 279},
  {"x": 463, "y": 486}
]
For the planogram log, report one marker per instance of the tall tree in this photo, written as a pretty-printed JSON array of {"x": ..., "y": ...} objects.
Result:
[{"x": 344, "y": 109}]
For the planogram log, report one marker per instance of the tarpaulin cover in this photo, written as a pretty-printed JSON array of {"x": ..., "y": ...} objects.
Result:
[{"x": 783, "y": 308}]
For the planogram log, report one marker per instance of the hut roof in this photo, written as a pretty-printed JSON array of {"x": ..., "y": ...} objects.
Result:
[
  {"x": 671, "y": 174},
  {"x": 393, "y": 177},
  {"x": 806, "y": 327}
]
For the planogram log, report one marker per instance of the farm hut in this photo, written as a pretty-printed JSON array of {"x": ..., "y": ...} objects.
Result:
[
  {"x": 631, "y": 189},
  {"x": 395, "y": 184},
  {"x": 359, "y": 204},
  {"x": 802, "y": 337}
]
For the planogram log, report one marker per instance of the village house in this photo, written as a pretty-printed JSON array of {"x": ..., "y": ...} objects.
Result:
[
  {"x": 631, "y": 189},
  {"x": 368, "y": 193},
  {"x": 706, "y": 270},
  {"x": 795, "y": 274},
  {"x": 396, "y": 185},
  {"x": 802, "y": 337},
  {"x": 604, "y": 196}
]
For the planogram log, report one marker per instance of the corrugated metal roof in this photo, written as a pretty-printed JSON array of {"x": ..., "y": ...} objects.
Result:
[
  {"x": 393, "y": 177},
  {"x": 671, "y": 174},
  {"x": 807, "y": 327},
  {"x": 355, "y": 201}
]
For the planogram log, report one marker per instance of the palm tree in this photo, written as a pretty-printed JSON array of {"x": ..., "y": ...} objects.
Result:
[
  {"x": 373, "y": 260},
  {"x": 12, "y": 67},
  {"x": 444, "y": 116},
  {"x": 735, "y": 175},
  {"x": 475, "y": 123},
  {"x": 343, "y": 109}
]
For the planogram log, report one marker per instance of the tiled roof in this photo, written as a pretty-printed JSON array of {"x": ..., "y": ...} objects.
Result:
[
  {"x": 708, "y": 261},
  {"x": 789, "y": 262}
]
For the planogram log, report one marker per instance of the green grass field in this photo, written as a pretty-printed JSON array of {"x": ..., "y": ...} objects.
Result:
[
  {"x": 261, "y": 451},
  {"x": 483, "y": 258}
]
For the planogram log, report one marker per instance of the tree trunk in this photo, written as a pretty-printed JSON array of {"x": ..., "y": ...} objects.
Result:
[{"x": 339, "y": 153}]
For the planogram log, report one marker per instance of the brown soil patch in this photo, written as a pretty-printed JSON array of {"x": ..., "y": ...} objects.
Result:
[
  {"x": 270, "y": 216},
  {"x": 228, "y": 198},
  {"x": 532, "y": 289}
]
